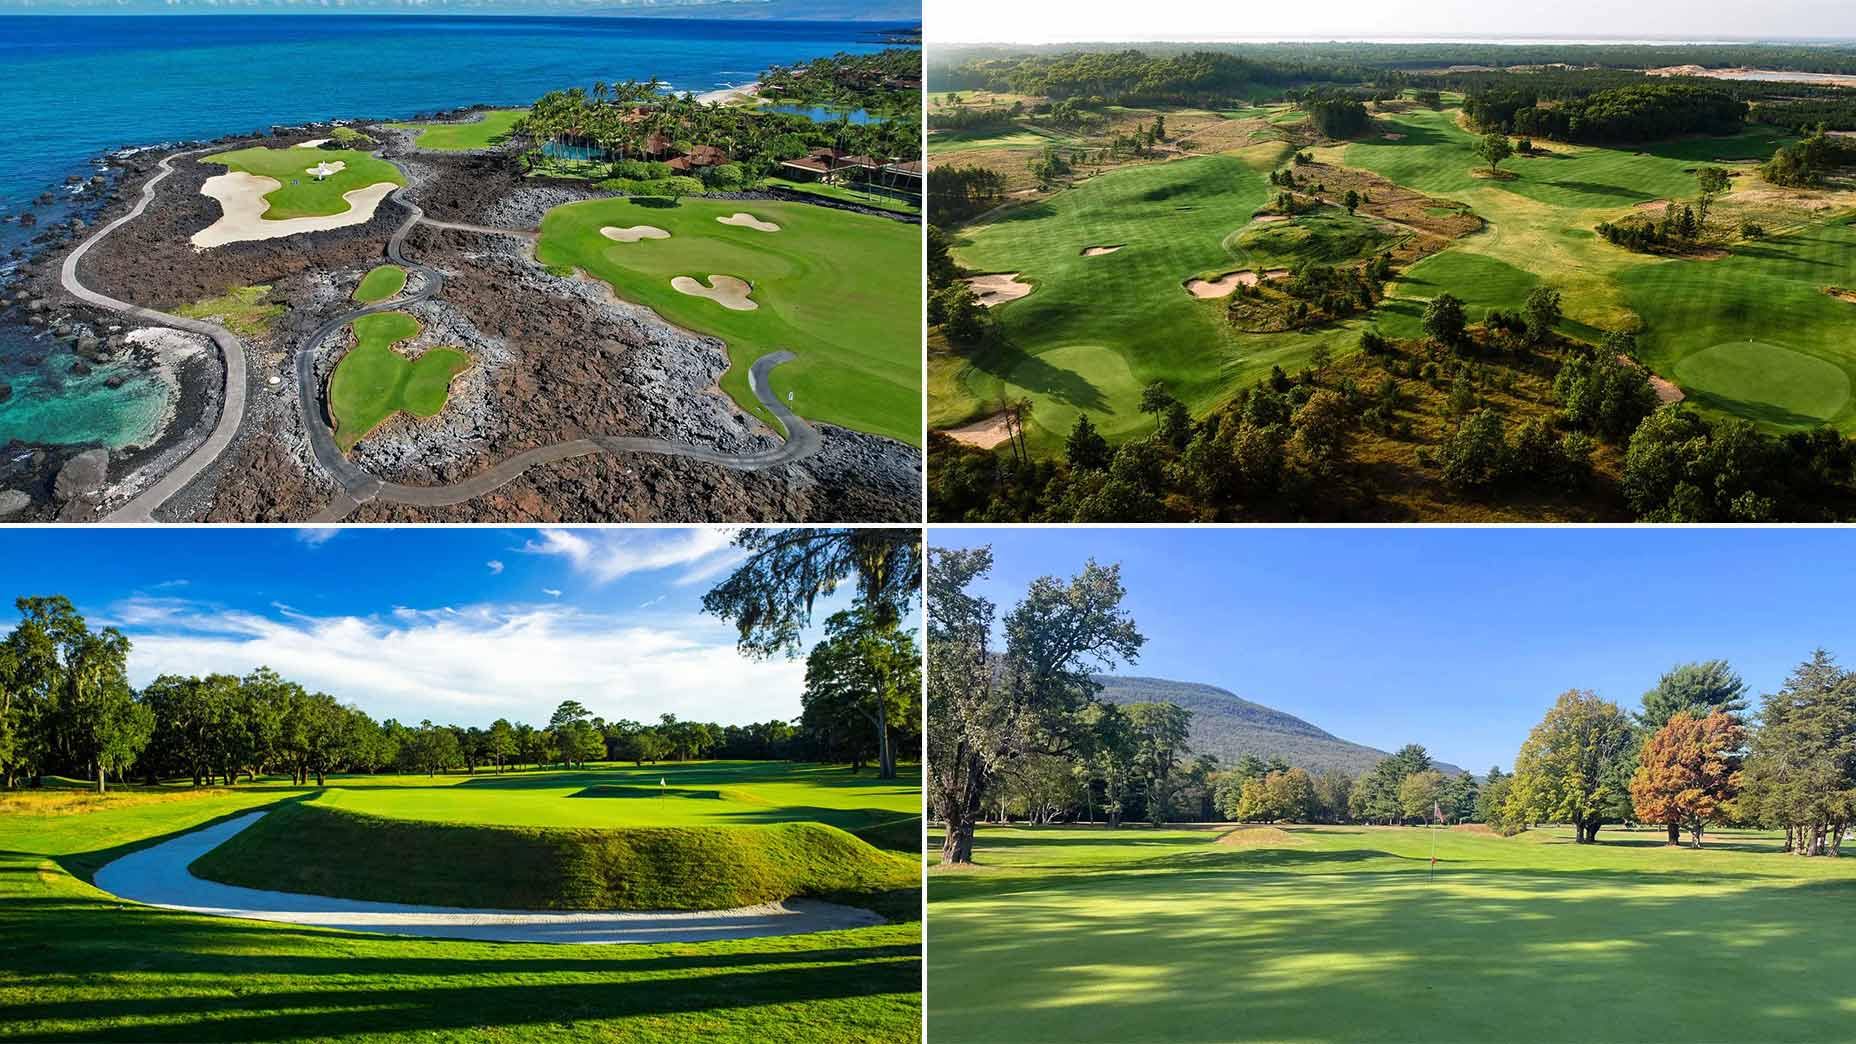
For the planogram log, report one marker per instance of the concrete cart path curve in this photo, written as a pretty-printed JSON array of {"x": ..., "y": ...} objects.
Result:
[
  {"x": 157, "y": 876},
  {"x": 231, "y": 351}
]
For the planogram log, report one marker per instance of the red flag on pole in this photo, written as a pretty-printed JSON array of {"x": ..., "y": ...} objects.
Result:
[{"x": 1437, "y": 811}]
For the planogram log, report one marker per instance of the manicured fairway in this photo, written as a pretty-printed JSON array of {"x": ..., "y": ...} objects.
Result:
[
  {"x": 1098, "y": 329},
  {"x": 841, "y": 290},
  {"x": 492, "y": 129},
  {"x": 380, "y": 284},
  {"x": 79, "y": 965},
  {"x": 1334, "y": 934},
  {"x": 373, "y": 381},
  {"x": 299, "y": 193}
]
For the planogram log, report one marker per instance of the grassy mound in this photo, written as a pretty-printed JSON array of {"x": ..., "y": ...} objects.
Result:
[
  {"x": 373, "y": 382},
  {"x": 842, "y": 290},
  {"x": 1323, "y": 237},
  {"x": 308, "y": 848},
  {"x": 493, "y": 129},
  {"x": 380, "y": 284},
  {"x": 299, "y": 193}
]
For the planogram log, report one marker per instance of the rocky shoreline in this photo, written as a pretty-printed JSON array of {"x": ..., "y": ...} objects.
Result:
[{"x": 554, "y": 358}]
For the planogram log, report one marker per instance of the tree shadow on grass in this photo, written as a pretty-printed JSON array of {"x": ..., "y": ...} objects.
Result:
[{"x": 1752, "y": 409}]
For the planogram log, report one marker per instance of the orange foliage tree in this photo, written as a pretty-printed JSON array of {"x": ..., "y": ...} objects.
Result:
[{"x": 1687, "y": 771}]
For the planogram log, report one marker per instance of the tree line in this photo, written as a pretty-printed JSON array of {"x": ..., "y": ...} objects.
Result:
[{"x": 1636, "y": 113}]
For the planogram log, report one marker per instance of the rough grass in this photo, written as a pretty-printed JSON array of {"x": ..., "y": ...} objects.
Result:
[
  {"x": 493, "y": 129},
  {"x": 555, "y": 868},
  {"x": 299, "y": 194},
  {"x": 1085, "y": 934},
  {"x": 373, "y": 381},
  {"x": 841, "y": 290},
  {"x": 246, "y": 310},
  {"x": 381, "y": 283},
  {"x": 1322, "y": 237},
  {"x": 81, "y": 965}
]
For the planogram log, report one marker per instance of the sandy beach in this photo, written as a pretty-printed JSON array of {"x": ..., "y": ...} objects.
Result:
[{"x": 729, "y": 94}]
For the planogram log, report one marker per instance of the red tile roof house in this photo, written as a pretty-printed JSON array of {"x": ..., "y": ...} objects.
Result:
[{"x": 700, "y": 156}]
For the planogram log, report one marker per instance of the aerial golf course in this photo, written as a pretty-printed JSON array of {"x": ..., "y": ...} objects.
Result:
[
  {"x": 696, "y": 836},
  {"x": 1338, "y": 933},
  {"x": 1752, "y": 329}
]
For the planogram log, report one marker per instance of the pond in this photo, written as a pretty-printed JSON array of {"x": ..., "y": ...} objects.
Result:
[{"x": 825, "y": 114}]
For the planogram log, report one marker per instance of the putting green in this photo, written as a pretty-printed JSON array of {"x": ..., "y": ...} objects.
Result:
[
  {"x": 373, "y": 381},
  {"x": 1758, "y": 379},
  {"x": 380, "y": 284},
  {"x": 1173, "y": 221},
  {"x": 841, "y": 290},
  {"x": 299, "y": 193},
  {"x": 1340, "y": 934},
  {"x": 493, "y": 129}
]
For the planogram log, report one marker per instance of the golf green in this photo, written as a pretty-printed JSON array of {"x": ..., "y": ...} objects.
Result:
[
  {"x": 1342, "y": 934},
  {"x": 373, "y": 381},
  {"x": 491, "y": 130},
  {"x": 380, "y": 284},
  {"x": 300, "y": 194},
  {"x": 89, "y": 966},
  {"x": 840, "y": 290}
]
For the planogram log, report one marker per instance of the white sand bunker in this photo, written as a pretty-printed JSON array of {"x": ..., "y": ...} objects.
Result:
[
  {"x": 325, "y": 168},
  {"x": 749, "y": 221},
  {"x": 241, "y": 197},
  {"x": 985, "y": 433},
  {"x": 634, "y": 233},
  {"x": 1269, "y": 219},
  {"x": 1228, "y": 282},
  {"x": 312, "y": 143},
  {"x": 158, "y": 876},
  {"x": 1099, "y": 251},
  {"x": 724, "y": 290},
  {"x": 1653, "y": 204},
  {"x": 998, "y": 288}
]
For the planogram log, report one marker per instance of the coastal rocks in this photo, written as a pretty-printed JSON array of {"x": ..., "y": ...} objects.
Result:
[
  {"x": 82, "y": 476},
  {"x": 80, "y": 368},
  {"x": 6, "y": 391},
  {"x": 12, "y": 502}
]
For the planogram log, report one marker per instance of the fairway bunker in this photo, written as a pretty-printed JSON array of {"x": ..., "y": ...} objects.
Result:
[
  {"x": 634, "y": 233},
  {"x": 725, "y": 290},
  {"x": 159, "y": 876},
  {"x": 997, "y": 288},
  {"x": 313, "y": 143},
  {"x": 743, "y": 220},
  {"x": 985, "y": 434},
  {"x": 242, "y": 206},
  {"x": 1224, "y": 284},
  {"x": 1098, "y": 251}
]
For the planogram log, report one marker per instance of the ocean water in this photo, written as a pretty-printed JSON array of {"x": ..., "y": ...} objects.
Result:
[{"x": 72, "y": 87}]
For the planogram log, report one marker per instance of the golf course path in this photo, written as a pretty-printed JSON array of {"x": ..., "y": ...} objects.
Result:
[
  {"x": 157, "y": 876},
  {"x": 232, "y": 350},
  {"x": 357, "y": 487}
]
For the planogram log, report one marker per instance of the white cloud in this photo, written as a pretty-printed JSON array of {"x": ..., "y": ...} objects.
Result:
[
  {"x": 472, "y": 664},
  {"x": 606, "y": 555},
  {"x": 495, "y": 566},
  {"x": 551, "y": 592},
  {"x": 316, "y": 536}
]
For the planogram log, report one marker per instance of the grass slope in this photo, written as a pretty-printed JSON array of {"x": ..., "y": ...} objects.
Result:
[
  {"x": 493, "y": 129},
  {"x": 557, "y": 868},
  {"x": 381, "y": 283},
  {"x": 299, "y": 194},
  {"x": 246, "y": 310},
  {"x": 80, "y": 965},
  {"x": 1334, "y": 934},
  {"x": 1229, "y": 726},
  {"x": 839, "y": 289},
  {"x": 373, "y": 382},
  {"x": 1096, "y": 330}
]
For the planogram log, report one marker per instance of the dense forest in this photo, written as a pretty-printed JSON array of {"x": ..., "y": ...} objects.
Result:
[{"x": 1637, "y": 113}]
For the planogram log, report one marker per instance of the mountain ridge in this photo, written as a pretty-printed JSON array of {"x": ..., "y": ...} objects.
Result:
[{"x": 1229, "y": 726}]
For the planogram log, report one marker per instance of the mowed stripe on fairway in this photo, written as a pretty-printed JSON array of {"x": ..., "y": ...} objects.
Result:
[{"x": 1164, "y": 935}]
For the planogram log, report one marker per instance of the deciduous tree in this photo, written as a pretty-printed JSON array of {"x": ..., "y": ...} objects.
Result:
[{"x": 1688, "y": 771}]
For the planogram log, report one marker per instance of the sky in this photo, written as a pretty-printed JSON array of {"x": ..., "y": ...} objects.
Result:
[
  {"x": 1459, "y": 639},
  {"x": 1045, "y": 21},
  {"x": 457, "y": 624}
]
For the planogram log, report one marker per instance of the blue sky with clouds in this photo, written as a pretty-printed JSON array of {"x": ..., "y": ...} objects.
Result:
[
  {"x": 452, "y": 623},
  {"x": 1458, "y": 639}
]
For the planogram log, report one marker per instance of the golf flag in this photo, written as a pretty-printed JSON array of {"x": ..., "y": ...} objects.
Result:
[{"x": 660, "y": 782}]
